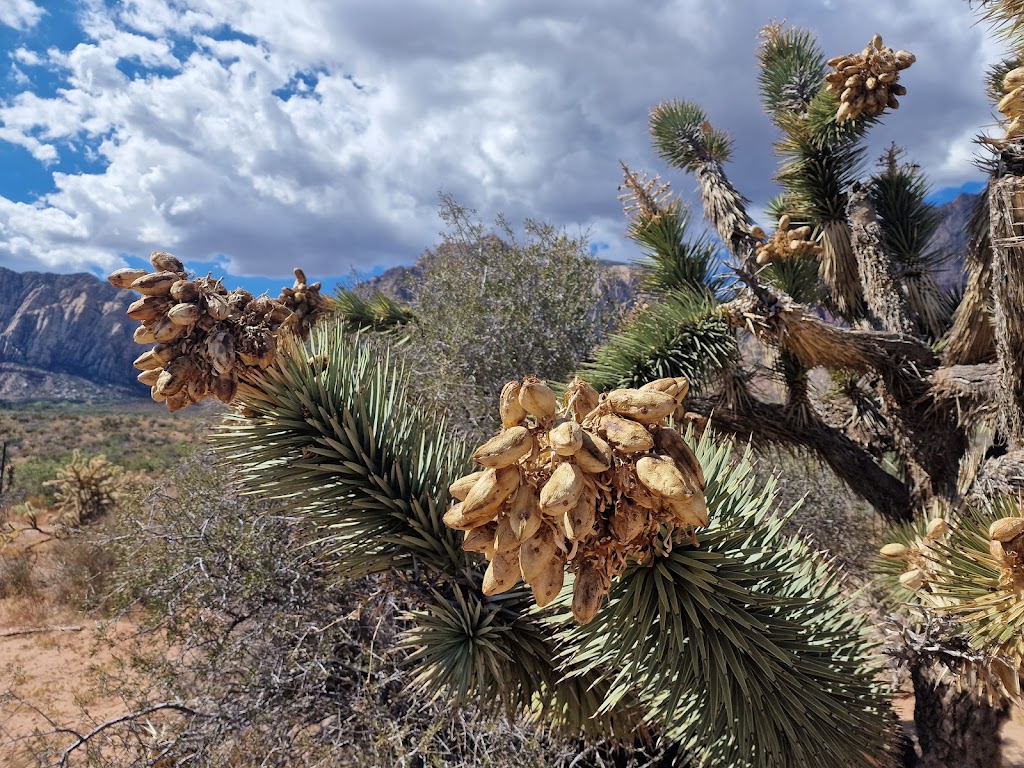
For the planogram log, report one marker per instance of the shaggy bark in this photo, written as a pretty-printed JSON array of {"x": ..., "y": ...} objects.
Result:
[
  {"x": 971, "y": 339},
  {"x": 956, "y": 729},
  {"x": 839, "y": 270},
  {"x": 726, "y": 209}
]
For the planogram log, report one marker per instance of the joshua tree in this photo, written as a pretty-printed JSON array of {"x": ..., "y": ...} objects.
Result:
[{"x": 736, "y": 644}]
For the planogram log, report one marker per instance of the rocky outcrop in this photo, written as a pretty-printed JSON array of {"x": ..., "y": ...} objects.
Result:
[{"x": 68, "y": 325}]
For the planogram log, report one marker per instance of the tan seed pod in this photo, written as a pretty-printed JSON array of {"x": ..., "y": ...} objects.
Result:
[
  {"x": 887, "y": 78},
  {"x": 937, "y": 527},
  {"x": 661, "y": 477},
  {"x": 536, "y": 553},
  {"x": 524, "y": 513},
  {"x": 460, "y": 488},
  {"x": 157, "y": 396},
  {"x": 898, "y": 90},
  {"x": 692, "y": 511},
  {"x": 143, "y": 335},
  {"x": 1015, "y": 129},
  {"x": 566, "y": 439},
  {"x": 895, "y": 551},
  {"x": 300, "y": 277},
  {"x": 876, "y": 42},
  {"x": 995, "y": 548},
  {"x": 678, "y": 387},
  {"x": 155, "y": 283},
  {"x": 456, "y": 518},
  {"x": 845, "y": 112},
  {"x": 185, "y": 291},
  {"x": 178, "y": 401},
  {"x": 148, "y": 308},
  {"x": 164, "y": 331},
  {"x": 892, "y": 102},
  {"x": 489, "y": 492},
  {"x": 508, "y": 405},
  {"x": 628, "y": 522},
  {"x": 224, "y": 387},
  {"x": 548, "y": 583},
  {"x": 502, "y": 573},
  {"x": 758, "y": 233},
  {"x": 581, "y": 399},
  {"x": 147, "y": 361},
  {"x": 904, "y": 59},
  {"x": 480, "y": 539},
  {"x": 183, "y": 314},
  {"x": 164, "y": 262},
  {"x": 197, "y": 388},
  {"x": 912, "y": 579},
  {"x": 625, "y": 435},
  {"x": 870, "y": 83},
  {"x": 669, "y": 442},
  {"x": 505, "y": 448},
  {"x": 587, "y": 592},
  {"x": 847, "y": 95},
  {"x": 1006, "y": 529},
  {"x": 220, "y": 351},
  {"x": 217, "y": 307},
  {"x": 150, "y": 377},
  {"x": 836, "y": 61},
  {"x": 784, "y": 222},
  {"x": 594, "y": 455},
  {"x": 562, "y": 490},
  {"x": 175, "y": 376},
  {"x": 580, "y": 520},
  {"x": 123, "y": 278},
  {"x": 1012, "y": 79},
  {"x": 538, "y": 399},
  {"x": 505, "y": 538},
  {"x": 1011, "y": 101}
]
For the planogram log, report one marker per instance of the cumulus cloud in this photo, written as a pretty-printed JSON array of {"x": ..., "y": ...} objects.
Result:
[
  {"x": 20, "y": 14},
  {"x": 269, "y": 133}
]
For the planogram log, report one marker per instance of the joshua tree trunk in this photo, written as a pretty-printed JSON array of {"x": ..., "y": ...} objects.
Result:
[{"x": 956, "y": 729}]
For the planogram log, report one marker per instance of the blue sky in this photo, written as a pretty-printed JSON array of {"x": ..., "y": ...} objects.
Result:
[{"x": 252, "y": 136}]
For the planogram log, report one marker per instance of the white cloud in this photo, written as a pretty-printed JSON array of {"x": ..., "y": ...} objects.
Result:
[
  {"x": 519, "y": 106},
  {"x": 20, "y": 14}
]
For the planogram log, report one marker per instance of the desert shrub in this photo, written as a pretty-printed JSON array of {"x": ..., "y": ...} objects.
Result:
[
  {"x": 79, "y": 571},
  {"x": 86, "y": 489},
  {"x": 16, "y": 576}
]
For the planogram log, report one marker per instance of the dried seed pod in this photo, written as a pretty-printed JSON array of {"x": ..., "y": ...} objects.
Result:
[
  {"x": 580, "y": 520},
  {"x": 509, "y": 407},
  {"x": 1012, "y": 79},
  {"x": 183, "y": 314},
  {"x": 645, "y": 406},
  {"x": 239, "y": 299},
  {"x": 581, "y": 399},
  {"x": 587, "y": 593},
  {"x": 912, "y": 579},
  {"x": 594, "y": 455},
  {"x": 548, "y": 583},
  {"x": 220, "y": 351},
  {"x": 562, "y": 490},
  {"x": 224, "y": 387},
  {"x": 175, "y": 376},
  {"x": 895, "y": 551},
  {"x": 150, "y": 377},
  {"x": 147, "y": 361},
  {"x": 625, "y": 435},
  {"x": 937, "y": 527},
  {"x": 456, "y": 518},
  {"x": 524, "y": 513},
  {"x": 164, "y": 331},
  {"x": 505, "y": 448},
  {"x": 536, "y": 553},
  {"x": 661, "y": 477},
  {"x": 164, "y": 262},
  {"x": 1006, "y": 529},
  {"x": 123, "y": 278},
  {"x": 670, "y": 443},
  {"x": 757, "y": 233},
  {"x": 490, "y": 491},
  {"x": 566, "y": 438},
  {"x": 628, "y": 522},
  {"x": 502, "y": 573},
  {"x": 538, "y": 399},
  {"x": 257, "y": 347},
  {"x": 480, "y": 539},
  {"x": 505, "y": 538},
  {"x": 692, "y": 511},
  {"x": 197, "y": 388},
  {"x": 217, "y": 307},
  {"x": 460, "y": 488},
  {"x": 178, "y": 401},
  {"x": 185, "y": 292},
  {"x": 157, "y": 396},
  {"x": 143, "y": 335},
  {"x": 678, "y": 387},
  {"x": 300, "y": 277},
  {"x": 995, "y": 548},
  {"x": 148, "y": 308},
  {"x": 155, "y": 283}
]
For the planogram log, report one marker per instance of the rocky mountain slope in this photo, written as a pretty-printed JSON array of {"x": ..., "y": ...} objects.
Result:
[{"x": 64, "y": 336}]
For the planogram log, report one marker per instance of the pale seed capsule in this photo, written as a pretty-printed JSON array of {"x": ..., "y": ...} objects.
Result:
[
  {"x": 147, "y": 361},
  {"x": 899, "y": 90},
  {"x": 562, "y": 490},
  {"x": 661, "y": 477},
  {"x": 625, "y": 435},
  {"x": 197, "y": 388},
  {"x": 155, "y": 284},
  {"x": 892, "y": 102},
  {"x": 937, "y": 527},
  {"x": 175, "y": 376},
  {"x": 995, "y": 548},
  {"x": 1006, "y": 529},
  {"x": 524, "y": 513},
  {"x": 183, "y": 314},
  {"x": 1015, "y": 129},
  {"x": 164, "y": 331},
  {"x": 587, "y": 592},
  {"x": 143, "y": 335},
  {"x": 548, "y": 583},
  {"x": 147, "y": 308},
  {"x": 645, "y": 406},
  {"x": 150, "y": 377},
  {"x": 678, "y": 387},
  {"x": 538, "y": 399},
  {"x": 300, "y": 277},
  {"x": 912, "y": 579},
  {"x": 508, "y": 405},
  {"x": 579, "y": 521},
  {"x": 505, "y": 448},
  {"x": 594, "y": 455},
  {"x": 692, "y": 511},
  {"x": 536, "y": 552},
  {"x": 123, "y": 278},
  {"x": 164, "y": 262},
  {"x": 480, "y": 539},
  {"x": 672, "y": 444},
  {"x": 220, "y": 351},
  {"x": 457, "y": 519},
  {"x": 460, "y": 488},
  {"x": 582, "y": 399},
  {"x": 895, "y": 551},
  {"x": 1012, "y": 100},
  {"x": 758, "y": 233},
  {"x": 217, "y": 307},
  {"x": 876, "y": 41},
  {"x": 566, "y": 439},
  {"x": 502, "y": 573},
  {"x": 784, "y": 222},
  {"x": 157, "y": 396},
  {"x": 490, "y": 491},
  {"x": 1012, "y": 79},
  {"x": 904, "y": 59},
  {"x": 505, "y": 538},
  {"x": 628, "y": 521},
  {"x": 185, "y": 291},
  {"x": 224, "y": 387},
  {"x": 178, "y": 401},
  {"x": 870, "y": 83}
]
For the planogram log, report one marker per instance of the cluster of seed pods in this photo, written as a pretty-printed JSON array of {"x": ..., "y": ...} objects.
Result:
[
  {"x": 784, "y": 243},
  {"x": 867, "y": 83},
  {"x": 918, "y": 568}
]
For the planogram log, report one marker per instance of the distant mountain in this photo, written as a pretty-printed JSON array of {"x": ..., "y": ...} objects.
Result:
[
  {"x": 952, "y": 237},
  {"x": 64, "y": 337}
]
